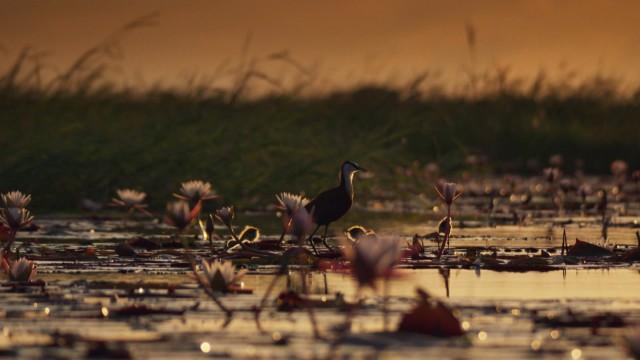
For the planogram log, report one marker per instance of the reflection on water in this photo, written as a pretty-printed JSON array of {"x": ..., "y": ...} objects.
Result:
[
  {"x": 618, "y": 284},
  {"x": 478, "y": 295},
  {"x": 466, "y": 285},
  {"x": 540, "y": 234},
  {"x": 575, "y": 284}
]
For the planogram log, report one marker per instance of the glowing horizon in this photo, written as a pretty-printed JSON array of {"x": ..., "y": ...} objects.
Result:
[{"x": 344, "y": 43}]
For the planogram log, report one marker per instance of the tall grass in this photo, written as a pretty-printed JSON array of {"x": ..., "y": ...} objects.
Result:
[{"x": 80, "y": 135}]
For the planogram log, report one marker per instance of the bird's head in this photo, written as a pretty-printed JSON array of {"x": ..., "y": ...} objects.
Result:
[
  {"x": 350, "y": 167},
  {"x": 347, "y": 173}
]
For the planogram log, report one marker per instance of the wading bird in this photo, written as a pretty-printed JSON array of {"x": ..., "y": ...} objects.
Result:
[{"x": 333, "y": 204}]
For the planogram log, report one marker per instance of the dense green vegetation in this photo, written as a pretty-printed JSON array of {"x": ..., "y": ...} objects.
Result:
[
  {"x": 78, "y": 135},
  {"x": 65, "y": 146}
]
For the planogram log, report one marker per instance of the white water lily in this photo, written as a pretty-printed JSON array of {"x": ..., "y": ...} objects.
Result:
[
  {"x": 373, "y": 258},
  {"x": 130, "y": 198},
  {"x": 289, "y": 203},
  {"x": 195, "y": 190},
  {"x": 16, "y": 199},
  {"x": 15, "y": 218},
  {"x": 220, "y": 275},
  {"x": 295, "y": 217}
]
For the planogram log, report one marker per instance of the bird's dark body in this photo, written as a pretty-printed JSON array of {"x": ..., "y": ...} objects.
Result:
[
  {"x": 333, "y": 204},
  {"x": 330, "y": 205}
]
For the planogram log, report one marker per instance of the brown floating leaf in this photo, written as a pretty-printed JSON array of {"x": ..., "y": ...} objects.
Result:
[
  {"x": 431, "y": 317},
  {"x": 141, "y": 310},
  {"x": 631, "y": 255},
  {"x": 528, "y": 262},
  {"x": 104, "y": 350},
  {"x": 144, "y": 243},
  {"x": 289, "y": 301},
  {"x": 125, "y": 250},
  {"x": 572, "y": 319},
  {"x": 586, "y": 249},
  {"x": 270, "y": 244},
  {"x": 90, "y": 251},
  {"x": 236, "y": 289},
  {"x": 632, "y": 343}
]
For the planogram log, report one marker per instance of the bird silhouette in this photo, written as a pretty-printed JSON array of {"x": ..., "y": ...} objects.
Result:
[{"x": 334, "y": 203}]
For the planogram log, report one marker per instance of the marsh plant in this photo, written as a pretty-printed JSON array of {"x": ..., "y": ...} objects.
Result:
[
  {"x": 218, "y": 276},
  {"x": 207, "y": 229},
  {"x": 226, "y": 215},
  {"x": 447, "y": 192}
]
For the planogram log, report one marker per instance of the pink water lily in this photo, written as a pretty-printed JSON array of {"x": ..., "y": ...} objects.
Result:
[
  {"x": 15, "y": 218},
  {"x": 448, "y": 192},
  {"x": 21, "y": 270},
  {"x": 178, "y": 214},
  {"x": 225, "y": 215},
  {"x": 16, "y": 199},
  {"x": 295, "y": 217},
  {"x": 373, "y": 258}
]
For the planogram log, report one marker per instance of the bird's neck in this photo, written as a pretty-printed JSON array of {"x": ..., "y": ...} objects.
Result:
[{"x": 346, "y": 182}]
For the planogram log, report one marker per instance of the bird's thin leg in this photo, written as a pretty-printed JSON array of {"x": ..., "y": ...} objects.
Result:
[
  {"x": 310, "y": 239},
  {"x": 324, "y": 238}
]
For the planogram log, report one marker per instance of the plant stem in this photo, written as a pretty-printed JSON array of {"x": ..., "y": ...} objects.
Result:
[
  {"x": 307, "y": 305},
  {"x": 248, "y": 248},
  {"x": 385, "y": 304},
  {"x": 10, "y": 240}
]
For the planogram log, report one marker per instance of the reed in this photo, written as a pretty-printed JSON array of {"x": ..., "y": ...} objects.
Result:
[{"x": 80, "y": 135}]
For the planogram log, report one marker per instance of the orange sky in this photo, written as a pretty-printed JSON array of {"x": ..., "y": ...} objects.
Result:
[{"x": 347, "y": 41}]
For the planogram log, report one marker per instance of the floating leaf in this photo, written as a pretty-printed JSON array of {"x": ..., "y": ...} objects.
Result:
[
  {"x": 431, "y": 317},
  {"x": 586, "y": 249}
]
